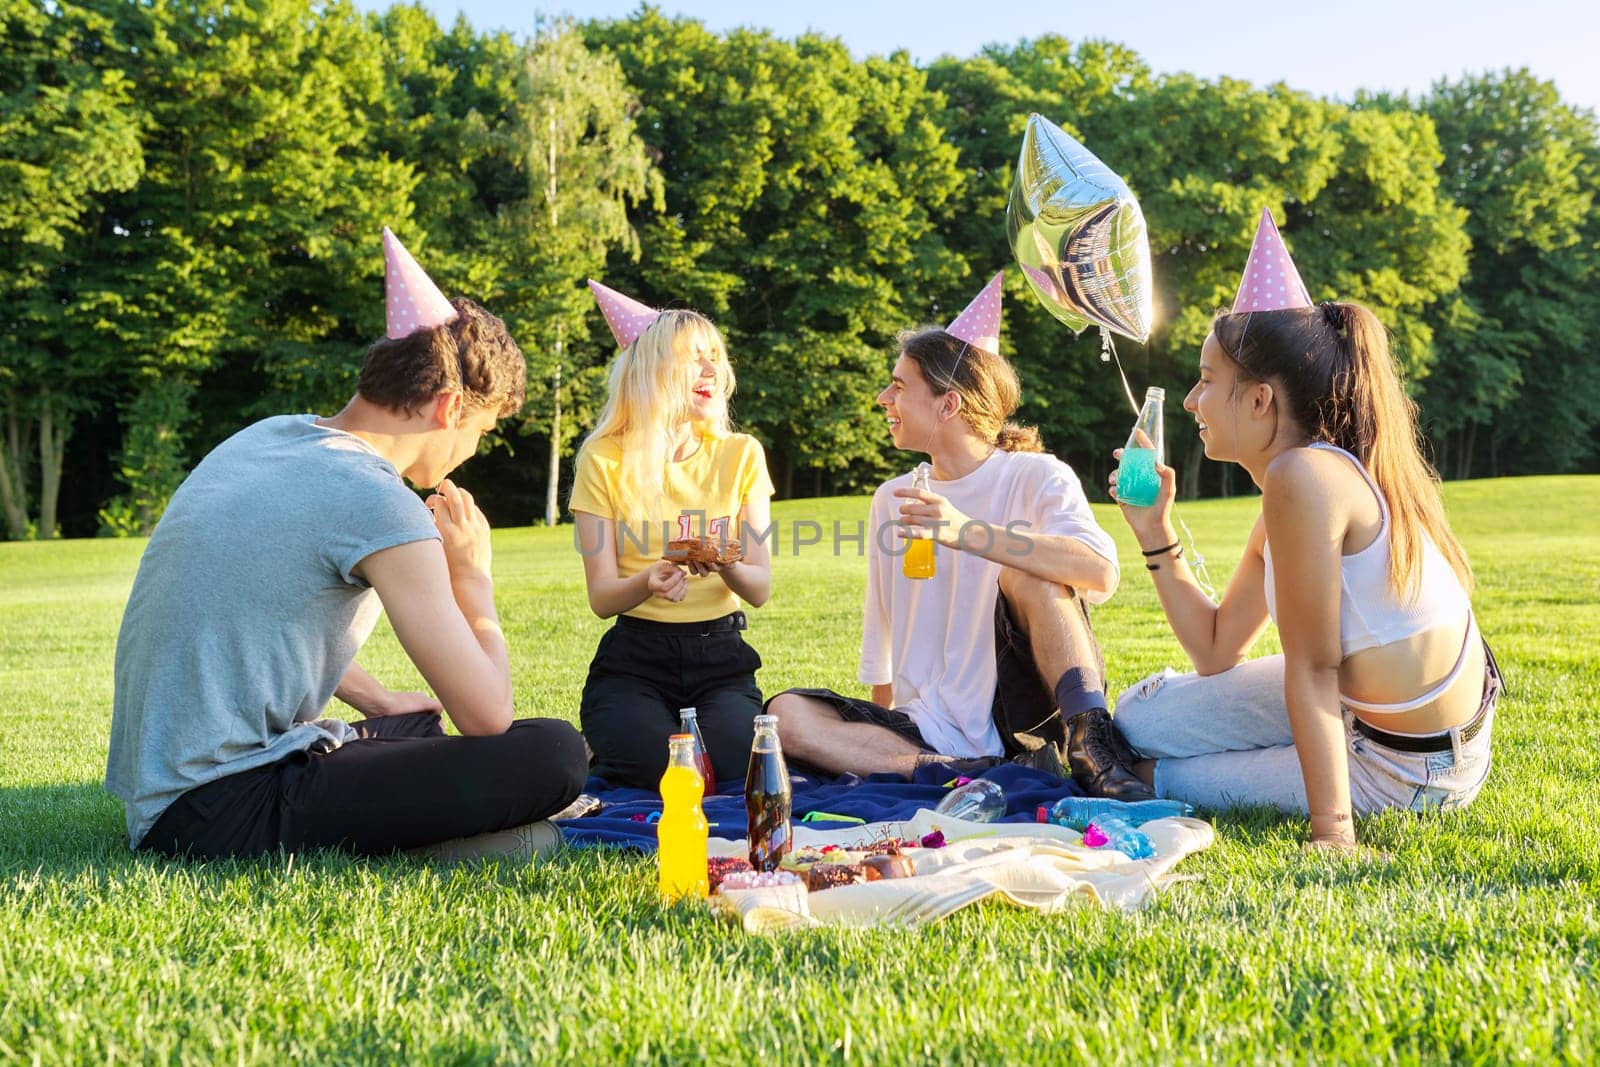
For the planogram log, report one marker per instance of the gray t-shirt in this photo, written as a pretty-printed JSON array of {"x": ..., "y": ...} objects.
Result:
[{"x": 244, "y": 615}]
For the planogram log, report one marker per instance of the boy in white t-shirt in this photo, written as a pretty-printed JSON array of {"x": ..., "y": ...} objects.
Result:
[{"x": 992, "y": 657}]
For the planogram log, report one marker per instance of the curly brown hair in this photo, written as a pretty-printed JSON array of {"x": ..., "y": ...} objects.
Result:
[{"x": 472, "y": 352}]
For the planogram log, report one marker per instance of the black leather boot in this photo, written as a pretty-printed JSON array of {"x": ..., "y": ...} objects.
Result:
[
  {"x": 1099, "y": 759},
  {"x": 1046, "y": 758}
]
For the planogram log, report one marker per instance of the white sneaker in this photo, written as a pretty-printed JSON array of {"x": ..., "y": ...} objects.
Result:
[{"x": 523, "y": 842}]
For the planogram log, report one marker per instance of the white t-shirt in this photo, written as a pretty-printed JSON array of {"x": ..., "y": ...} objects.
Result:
[{"x": 934, "y": 638}]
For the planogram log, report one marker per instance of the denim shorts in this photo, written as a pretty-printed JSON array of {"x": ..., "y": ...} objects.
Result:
[{"x": 1223, "y": 740}]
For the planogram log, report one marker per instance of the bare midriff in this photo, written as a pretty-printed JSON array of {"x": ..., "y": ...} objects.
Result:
[{"x": 1399, "y": 671}]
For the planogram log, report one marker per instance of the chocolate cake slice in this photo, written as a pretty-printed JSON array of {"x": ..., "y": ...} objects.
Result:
[{"x": 704, "y": 550}]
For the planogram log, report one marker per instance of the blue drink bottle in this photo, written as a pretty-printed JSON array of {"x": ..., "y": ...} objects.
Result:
[
  {"x": 1078, "y": 812},
  {"x": 1138, "y": 484}
]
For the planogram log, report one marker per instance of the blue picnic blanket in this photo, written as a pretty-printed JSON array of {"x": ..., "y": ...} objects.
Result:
[{"x": 880, "y": 797}]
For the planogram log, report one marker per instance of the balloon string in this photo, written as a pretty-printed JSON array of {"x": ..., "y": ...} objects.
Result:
[
  {"x": 1108, "y": 353},
  {"x": 1197, "y": 562}
]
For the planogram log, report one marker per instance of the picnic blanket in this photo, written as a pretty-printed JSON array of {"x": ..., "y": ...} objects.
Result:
[
  {"x": 622, "y": 821},
  {"x": 1038, "y": 866}
]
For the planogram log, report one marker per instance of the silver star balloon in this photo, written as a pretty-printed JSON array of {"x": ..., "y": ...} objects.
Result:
[{"x": 1078, "y": 234}]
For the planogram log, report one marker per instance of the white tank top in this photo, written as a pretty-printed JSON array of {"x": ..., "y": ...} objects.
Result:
[{"x": 1370, "y": 614}]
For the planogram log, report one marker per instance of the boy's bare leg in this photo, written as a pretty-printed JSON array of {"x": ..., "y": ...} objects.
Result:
[
  {"x": 1049, "y": 615},
  {"x": 811, "y": 730}
]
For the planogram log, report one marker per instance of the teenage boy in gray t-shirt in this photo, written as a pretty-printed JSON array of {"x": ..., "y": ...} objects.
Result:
[{"x": 264, "y": 577}]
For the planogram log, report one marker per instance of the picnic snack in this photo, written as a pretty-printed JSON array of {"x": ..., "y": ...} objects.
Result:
[
  {"x": 887, "y": 866},
  {"x": 704, "y": 550},
  {"x": 802, "y": 859},
  {"x": 758, "y": 879},
  {"x": 720, "y": 867},
  {"x": 832, "y": 875},
  {"x": 888, "y": 846}
]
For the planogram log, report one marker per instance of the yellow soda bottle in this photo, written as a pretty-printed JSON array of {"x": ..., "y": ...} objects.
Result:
[
  {"x": 681, "y": 834},
  {"x": 918, "y": 560}
]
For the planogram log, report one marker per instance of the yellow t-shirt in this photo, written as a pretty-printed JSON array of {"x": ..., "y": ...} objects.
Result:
[{"x": 702, "y": 495}]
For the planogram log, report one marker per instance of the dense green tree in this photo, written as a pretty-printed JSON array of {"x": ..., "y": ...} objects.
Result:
[
  {"x": 804, "y": 197},
  {"x": 247, "y": 253},
  {"x": 68, "y": 136},
  {"x": 190, "y": 198},
  {"x": 1076, "y": 400},
  {"x": 1519, "y": 336},
  {"x": 449, "y": 110},
  {"x": 514, "y": 211},
  {"x": 585, "y": 165}
]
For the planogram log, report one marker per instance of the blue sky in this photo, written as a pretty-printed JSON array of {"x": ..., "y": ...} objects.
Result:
[{"x": 1399, "y": 44}]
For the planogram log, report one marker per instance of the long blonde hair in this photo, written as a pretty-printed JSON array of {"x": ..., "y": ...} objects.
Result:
[
  {"x": 648, "y": 397},
  {"x": 1339, "y": 383}
]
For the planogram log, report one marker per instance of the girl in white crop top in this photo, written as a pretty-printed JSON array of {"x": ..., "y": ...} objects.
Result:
[{"x": 1369, "y": 589}]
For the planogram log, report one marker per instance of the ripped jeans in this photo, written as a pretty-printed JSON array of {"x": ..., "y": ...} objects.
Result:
[{"x": 1223, "y": 740}]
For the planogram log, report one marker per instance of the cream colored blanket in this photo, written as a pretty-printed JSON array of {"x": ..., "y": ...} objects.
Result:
[{"x": 1037, "y": 866}]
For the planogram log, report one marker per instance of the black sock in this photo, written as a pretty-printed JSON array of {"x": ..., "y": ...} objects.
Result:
[{"x": 1076, "y": 693}]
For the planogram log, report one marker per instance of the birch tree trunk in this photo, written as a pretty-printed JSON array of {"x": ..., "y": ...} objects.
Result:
[
  {"x": 552, "y": 493},
  {"x": 52, "y": 443}
]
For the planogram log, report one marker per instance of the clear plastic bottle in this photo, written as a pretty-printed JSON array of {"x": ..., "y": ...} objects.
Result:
[
  {"x": 918, "y": 560},
  {"x": 768, "y": 798},
  {"x": 689, "y": 723},
  {"x": 1138, "y": 484},
  {"x": 681, "y": 835},
  {"x": 1078, "y": 812},
  {"x": 980, "y": 800},
  {"x": 1107, "y": 832}
]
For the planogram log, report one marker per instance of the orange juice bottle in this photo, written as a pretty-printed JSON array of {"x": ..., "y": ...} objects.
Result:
[
  {"x": 681, "y": 834},
  {"x": 918, "y": 560}
]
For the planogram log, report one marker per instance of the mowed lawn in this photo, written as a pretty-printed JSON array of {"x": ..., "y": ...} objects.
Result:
[{"x": 1476, "y": 940}]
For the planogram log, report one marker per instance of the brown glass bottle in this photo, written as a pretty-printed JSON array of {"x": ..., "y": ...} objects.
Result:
[{"x": 768, "y": 799}]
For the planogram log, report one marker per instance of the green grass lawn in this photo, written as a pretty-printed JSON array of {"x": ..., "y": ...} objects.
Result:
[{"x": 1477, "y": 940}]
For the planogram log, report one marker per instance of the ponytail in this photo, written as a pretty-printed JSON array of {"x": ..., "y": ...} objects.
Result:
[
  {"x": 1014, "y": 438},
  {"x": 1383, "y": 429}
]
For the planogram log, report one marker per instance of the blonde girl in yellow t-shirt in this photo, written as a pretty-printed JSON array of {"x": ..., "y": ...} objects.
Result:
[{"x": 663, "y": 463}]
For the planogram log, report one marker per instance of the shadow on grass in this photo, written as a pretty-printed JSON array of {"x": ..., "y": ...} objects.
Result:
[{"x": 63, "y": 831}]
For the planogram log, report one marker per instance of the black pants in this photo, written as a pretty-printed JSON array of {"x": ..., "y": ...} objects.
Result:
[
  {"x": 643, "y": 672},
  {"x": 403, "y": 785}
]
